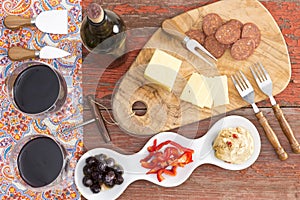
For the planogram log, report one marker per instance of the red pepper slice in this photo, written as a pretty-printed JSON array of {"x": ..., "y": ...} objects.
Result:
[
  {"x": 158, "y": 161},
  {"x": 153, "y": 147},
  {"x": 162, "y": 144},
  {"x": 159, "y": 175},
  {"x": 171, "y": 172}
]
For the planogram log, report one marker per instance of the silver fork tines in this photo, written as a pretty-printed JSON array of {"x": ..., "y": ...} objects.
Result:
[
  {"x": 263, "y": 80},
  {"x": 246, "y": 91},
  {"x": 244, "y": 88}
]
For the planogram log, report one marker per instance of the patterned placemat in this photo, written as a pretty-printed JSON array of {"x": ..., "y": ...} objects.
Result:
[{"x": 15, "y": 125}]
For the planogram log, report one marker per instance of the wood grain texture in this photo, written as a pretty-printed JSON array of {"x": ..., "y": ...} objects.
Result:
[
  {"x": 15, "y": 22},
  {"x": 268, "y": 178},
  {"x": 19, "y": 53},
  {"x": 165, "y": 115},
  {"x": 286, "y": 128}
]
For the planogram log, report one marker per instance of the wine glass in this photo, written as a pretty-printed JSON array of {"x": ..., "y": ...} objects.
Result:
[
  {"x": 39, "y": 162},
  {"x": 36, "y": 89}
]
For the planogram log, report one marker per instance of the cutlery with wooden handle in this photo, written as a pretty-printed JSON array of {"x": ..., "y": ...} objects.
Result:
[
  {"x": 52, "y": 21},
  {"x": 246, "y": 91},
  {"x": 47, "y": 52},
  {"x": 264, "y": 82}
]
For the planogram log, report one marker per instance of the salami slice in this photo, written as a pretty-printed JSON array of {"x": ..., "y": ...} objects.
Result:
[
  {"x": 242, "y": 49},
  {"x": 197, "y": 35},
  {"x": 236, "y": 23},
  {"x": 211, "y": 22},
  {"x": 228, "y": 33},
  {"x": 214, "y": 47},
  {"x": 250, "y": 30}
]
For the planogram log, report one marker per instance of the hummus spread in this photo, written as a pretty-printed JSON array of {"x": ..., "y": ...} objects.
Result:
[{"x": 234, "y": 145}]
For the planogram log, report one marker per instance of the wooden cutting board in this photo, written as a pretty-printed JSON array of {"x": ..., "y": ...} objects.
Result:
[{"x": 165, "y": 110}]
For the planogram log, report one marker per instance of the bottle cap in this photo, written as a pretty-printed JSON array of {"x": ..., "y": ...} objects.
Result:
[{"x": 95, "y": 13}]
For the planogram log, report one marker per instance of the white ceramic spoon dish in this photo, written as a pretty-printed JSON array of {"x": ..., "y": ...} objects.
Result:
[{"x": 203, "y": 154}]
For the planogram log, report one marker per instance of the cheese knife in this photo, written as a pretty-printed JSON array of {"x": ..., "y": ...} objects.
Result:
[
  {"x": 47, "y": 52},
  {"x": 53, "y": 21},
  {"x": 172, "y": 28}
]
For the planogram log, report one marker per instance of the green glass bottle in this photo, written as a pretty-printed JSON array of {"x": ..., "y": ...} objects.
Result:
[{"x": 103, "y": 32}]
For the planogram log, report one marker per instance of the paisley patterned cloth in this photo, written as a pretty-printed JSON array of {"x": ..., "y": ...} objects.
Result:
[{"x": 15, "y": 125}]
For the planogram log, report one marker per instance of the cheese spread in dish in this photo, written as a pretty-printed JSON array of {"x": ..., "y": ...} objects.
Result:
[{"x": 234, "y": 145}]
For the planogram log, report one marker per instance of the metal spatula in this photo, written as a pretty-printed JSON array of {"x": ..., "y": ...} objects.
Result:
[{"x": 172, "y": 28}]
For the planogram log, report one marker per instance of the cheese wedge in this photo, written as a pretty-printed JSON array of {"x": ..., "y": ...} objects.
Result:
[
  {"x": 218, "y": 87},
  {"x": 163, "y": 69},
  {"x": 197, "y": 91}
]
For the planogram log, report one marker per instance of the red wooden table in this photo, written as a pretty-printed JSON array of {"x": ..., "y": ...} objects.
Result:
[{"x": 268, "y": 178}]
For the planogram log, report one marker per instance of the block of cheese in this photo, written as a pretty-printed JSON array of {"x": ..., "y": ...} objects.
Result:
[
  {"x": 163, "y": 69},
  {"x": 219, "y": 90},
  {"x": 197, "y": 92}
]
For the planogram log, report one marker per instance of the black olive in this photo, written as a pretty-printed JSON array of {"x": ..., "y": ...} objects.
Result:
[
  {"x": 87, "y": 181},
  {"x": 95, "y": 176},
  {"x": 87, "y": 170},
  {"x": 109, "y": 183},
  {"x": 101, "y": 157},
  {"x": 118, "y": 169},
  {"x": 110, "y": 162},
  {"x": 95, "y": 188},
  {"x": 91, "y": 161},
  {"x": 102, "y": 166},
  {"x": 110, "y": 176},
  {"x": 119, "y": 179}
]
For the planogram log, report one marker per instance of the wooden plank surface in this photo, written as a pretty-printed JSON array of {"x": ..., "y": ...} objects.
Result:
[{"x": 268, "y": 178}]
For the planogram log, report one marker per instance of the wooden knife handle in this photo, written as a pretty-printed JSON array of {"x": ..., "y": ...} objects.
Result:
[
  {"x": 286, "y": 128},
  {"x": 19, "y": 53},
  {"x": 172, "y": 28},
  {"x": 15, "y": 22},
  {"x": 271, "y": 136},
  {"x": 99, "y": 119}
]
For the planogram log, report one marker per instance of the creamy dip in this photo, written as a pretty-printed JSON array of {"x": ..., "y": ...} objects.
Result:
[{"x": 234, "y": 145}]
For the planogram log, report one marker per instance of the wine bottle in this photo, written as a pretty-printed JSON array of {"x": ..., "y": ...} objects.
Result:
[{"x": 103, "y": 32}]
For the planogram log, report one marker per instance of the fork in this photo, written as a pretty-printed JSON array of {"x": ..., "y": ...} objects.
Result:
[
  {"x": 246, "y": 91},
  {"x": 264, "y": 82}
]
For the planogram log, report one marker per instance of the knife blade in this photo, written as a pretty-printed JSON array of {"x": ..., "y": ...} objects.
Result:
[
  {"x": 172, "y": 28},
  {"x": 47, "y": 52},
  {"x": 52, "y": 21}
]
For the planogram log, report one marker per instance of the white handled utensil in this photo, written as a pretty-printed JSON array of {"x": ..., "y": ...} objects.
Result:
[
  {"x": 53, "y": 21},
  {"x": 47, "y": 52},
  {"x": 203, "y": 153}
]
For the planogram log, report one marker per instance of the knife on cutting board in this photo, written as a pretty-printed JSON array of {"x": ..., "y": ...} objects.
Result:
[
  {"x": 53, "y": 21},
  {"x": 47, "y": 52},
  {"x": 172, "y": 28}
]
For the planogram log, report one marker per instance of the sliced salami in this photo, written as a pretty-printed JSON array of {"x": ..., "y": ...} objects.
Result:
[
  {"x": 250, "y": 30},
  {"x": 228, "y": 33},
  {"x": 242, "y": 49},
  {"x": 197, "y": 35},
  {"x": 211, "y": 22},
  {"x": 236, "y": 23},
  {"x": 214, "y": 47}
]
